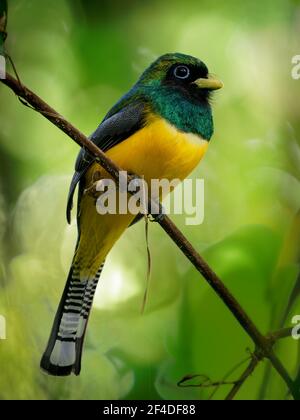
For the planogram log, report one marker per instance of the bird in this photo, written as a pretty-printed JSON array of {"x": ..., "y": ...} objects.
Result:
[{"x": 160, "y": 129}]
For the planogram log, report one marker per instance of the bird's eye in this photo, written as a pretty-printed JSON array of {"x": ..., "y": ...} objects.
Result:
[{"x": 181, "y": 72}]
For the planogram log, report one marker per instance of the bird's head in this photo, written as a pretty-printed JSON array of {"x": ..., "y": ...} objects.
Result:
[
  {"x": 182, "y": 73},
  {"x": 179, "y": 87}
]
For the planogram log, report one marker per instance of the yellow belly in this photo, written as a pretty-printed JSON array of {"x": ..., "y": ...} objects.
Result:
[{"x": 158, "y": 151}]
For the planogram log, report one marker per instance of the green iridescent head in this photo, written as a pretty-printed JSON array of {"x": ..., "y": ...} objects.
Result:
[
  {"x": 182, "y": 72},
  {"x": 179, "y": 87}
]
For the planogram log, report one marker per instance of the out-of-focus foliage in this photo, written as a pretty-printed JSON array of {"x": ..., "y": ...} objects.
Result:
[{"x": 81, "y": 56}]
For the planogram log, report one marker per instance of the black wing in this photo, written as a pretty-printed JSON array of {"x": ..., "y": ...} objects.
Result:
[{"x": 109, "y": 133}]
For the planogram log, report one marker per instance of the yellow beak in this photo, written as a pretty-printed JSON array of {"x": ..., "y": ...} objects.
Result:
[{"x": 210, "y": 83}]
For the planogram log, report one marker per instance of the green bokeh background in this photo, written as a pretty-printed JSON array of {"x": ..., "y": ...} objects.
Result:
[{"x": 81, "y": 56}]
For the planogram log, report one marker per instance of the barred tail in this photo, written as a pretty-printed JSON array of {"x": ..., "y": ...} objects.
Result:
[
  {"x": 88, "y": 298},
  {"x": 63, "y": 353}
]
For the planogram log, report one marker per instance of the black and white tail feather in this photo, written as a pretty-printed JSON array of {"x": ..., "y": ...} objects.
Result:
[{"x": 64, "y": 350}]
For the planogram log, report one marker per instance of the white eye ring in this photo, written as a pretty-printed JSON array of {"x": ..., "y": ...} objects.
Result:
[{"x": 182, "y": 72}]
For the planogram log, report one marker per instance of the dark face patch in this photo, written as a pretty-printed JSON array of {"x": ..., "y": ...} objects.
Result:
[
  {"x": 168, "y": 89},
  {"x": 181, "y": 77}
]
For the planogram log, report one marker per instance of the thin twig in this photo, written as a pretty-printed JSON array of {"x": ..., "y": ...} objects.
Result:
[
  {"x": 149, "y": 264},
  {"x": 280, "y": 334},
  {"x": 228, "y": 374},
  {"x": 149, "y": 260},
  {"x": 204, "y": 382},
  {"x": 255, "y": 360},
  {"x": 255, "y": 357},
  {"x": 174, "y": 233}
]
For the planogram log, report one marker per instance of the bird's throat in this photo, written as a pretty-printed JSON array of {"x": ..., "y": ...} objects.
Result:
[{"x": 183, "y": 112}]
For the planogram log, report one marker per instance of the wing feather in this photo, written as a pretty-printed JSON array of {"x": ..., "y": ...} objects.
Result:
[{"x": 113, "y": 130}]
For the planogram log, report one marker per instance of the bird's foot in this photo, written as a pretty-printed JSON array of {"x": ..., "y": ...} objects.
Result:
[{"x": 93, "y": 189}]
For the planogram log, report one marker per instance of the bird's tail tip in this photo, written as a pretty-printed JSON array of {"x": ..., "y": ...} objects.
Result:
[
  {"x": 60, "y": 367},
  {"x": 50, "y": 369}
]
